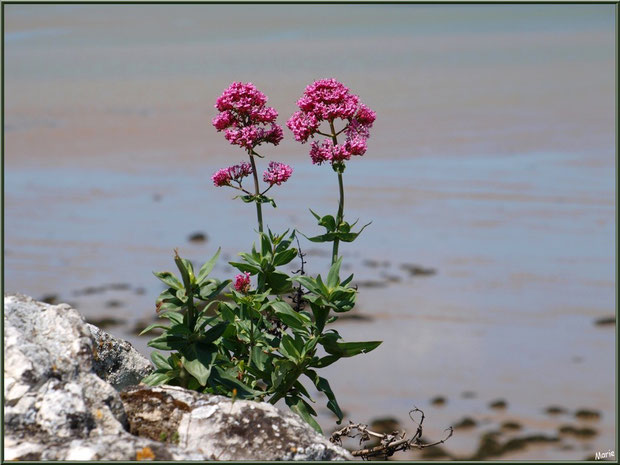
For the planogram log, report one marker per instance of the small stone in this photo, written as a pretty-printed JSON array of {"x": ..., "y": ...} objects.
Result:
[
  {"x": 511, "y": 426},
  {"x": 606, "y": 321},
  {"x": 587, "y": 414},
  {"x": 465, "y": 423},
  {"x": 499, "y": 404},
  {"x": 555, "y": 410},
  {"x": 197, "y": 237}
]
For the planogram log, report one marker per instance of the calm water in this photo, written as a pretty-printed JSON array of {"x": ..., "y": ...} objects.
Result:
[{"x": 492, "y": 161}]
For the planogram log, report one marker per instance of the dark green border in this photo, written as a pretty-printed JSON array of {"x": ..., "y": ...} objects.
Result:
[{"x": 304, "y": 2}]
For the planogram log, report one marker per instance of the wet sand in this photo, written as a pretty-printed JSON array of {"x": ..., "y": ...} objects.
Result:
[{"x": 491, "y": 163}]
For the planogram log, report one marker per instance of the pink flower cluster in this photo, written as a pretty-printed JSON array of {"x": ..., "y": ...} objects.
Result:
[
  {"x": 327, "y": 100},
  {"x": 277, "y": 173},
  {"x": 225, "y": 176},
  {"x": 246, "y": 120},
  {"x": 242, "y": 282}
]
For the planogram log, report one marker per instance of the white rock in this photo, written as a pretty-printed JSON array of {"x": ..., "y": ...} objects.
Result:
[{"x": 222, "y": 429}]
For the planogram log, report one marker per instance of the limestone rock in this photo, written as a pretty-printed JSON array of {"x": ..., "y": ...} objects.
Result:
[
  {"x": 50, "y": 387},
  {"x": 116, "y": 361},
  {"x": 123, "y": 447},
  {"x": 223, "y": 429}
]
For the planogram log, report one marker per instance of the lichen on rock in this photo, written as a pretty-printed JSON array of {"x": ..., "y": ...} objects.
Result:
[
  {"x": 224, "y": 429},
  {"x": 116, "y": 361}
]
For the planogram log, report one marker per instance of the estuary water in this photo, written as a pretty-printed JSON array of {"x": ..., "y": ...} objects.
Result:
[{"x": 489, "y": 180}]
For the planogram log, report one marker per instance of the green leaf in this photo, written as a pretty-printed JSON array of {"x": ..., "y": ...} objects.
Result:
[
  {"x": 309, "y": 345},
  {"x": 303, "y": 409},
  {"x": 214, "y": 333},
  {"x": 343, "y": 300},
  {"x": 349, "y": 236},
  {"x": 151, "y": 327},
  {"x": 265, "y": 244},
  {"x": 167, "y": 295},
  {"x": 172, "y": 306},
  {"x": 198, "y": 361},
  {"x": 348, "y": 349},
  {"x": 221, "y": 377},
  {"x": 179, "y": 329},
  {"x": 322, "y": 286},
  {"x": 278, "y": 282},
  {"x": 285, "y": 243},
  {"x": 282, "y": 367},
  {"x": 328, "y": 222},
  {"x": 316, "y": 215},
  {"x": 208, "y": 267},
  {"x": 346, "y": 281},
  {"x": 169, "y": 279},
  {"x": 259, "y": 358},
  {"x": 302, "y": 390},
  {"x": 328, "y": 237},
  {"x": 156, "y": 379},
  {"x": 168, "y": 342},
  {"x": 160, "y": 361},
  {"x": 187, "y": 271},
  {"x": 226, "y": 312},
  {"x": 245, "y": 267},
  {"x": 204, "y": 318},
  {"x": 308, "y": 283},
  {"x": 320, "y": 313},
  {"x": 289, "y": 316},
  {"x": 288, "y": 348},
  {"x": 213, "y": 290},
  {"x": 326, "y": 361},
  {"x": 285, "y": 257},
  {"x": 175, "y": 317},
  {"x": 323, "y": 385},
  {"x": 253, "y": 258},
  {"x": 182, "y": 295},
  {"x": 246, "y": 198},
  {"x": 333, "y": 277}
]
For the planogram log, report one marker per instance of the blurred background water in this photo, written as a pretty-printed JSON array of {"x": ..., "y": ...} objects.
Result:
[{"x": 490, "y": 180}]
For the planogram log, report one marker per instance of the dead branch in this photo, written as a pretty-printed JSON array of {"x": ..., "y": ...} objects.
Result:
[{"x": 390, "y": 443}]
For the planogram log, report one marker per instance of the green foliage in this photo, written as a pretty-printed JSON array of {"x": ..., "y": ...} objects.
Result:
[
  {"x": 335, "y": 231},
  {"x": 253, "y": 345},
  {"x": 259, "y": 198}
]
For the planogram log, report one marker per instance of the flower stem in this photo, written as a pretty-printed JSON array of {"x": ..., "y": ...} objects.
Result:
[
  {"x": 259, "y": 211},
  {"x": 340, "y": 216}
]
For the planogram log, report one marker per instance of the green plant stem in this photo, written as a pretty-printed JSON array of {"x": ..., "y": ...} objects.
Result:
[
  {"x": 191, "y": 311},
  {"x": 251, "y": 341},
  {"x": 259, "y": 211},
  {"x": 340, "y": 216}
]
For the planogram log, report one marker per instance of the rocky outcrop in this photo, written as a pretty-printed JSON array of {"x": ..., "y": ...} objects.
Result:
[
  {"x": 116, "y": 361},
  {"x": 224, "y": 429},
  {"x": 50, "y": 388},
  {"x": 123, "y": 447},
  {"x": 62, "y": 402}
]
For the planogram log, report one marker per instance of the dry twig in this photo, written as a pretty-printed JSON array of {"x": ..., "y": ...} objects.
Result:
[{"x": 388, "y": 443}]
